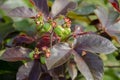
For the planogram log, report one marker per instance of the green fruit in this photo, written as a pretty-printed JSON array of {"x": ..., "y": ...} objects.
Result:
[
  {"x": 47, "y": 27},
  {"x": 39, "y": 27},
  {"x": 31, "y": 55},
  {"x": 42, "y": 30},
  {"x": 67, "y": 31},
  {"x": 42, "y": 59},
  {"x": 59, "y": 30}
]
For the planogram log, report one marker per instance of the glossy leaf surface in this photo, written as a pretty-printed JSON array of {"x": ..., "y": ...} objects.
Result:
[
  {"x": 61, "y": 7},
  {"x": 109, "y": 23},
  {"x": 86, "y": 10},
  {"x": 114, "y": 31},
  {"x": 94, "y": 43},
  {"x": 106, "y": 18},
  {"x": 24, "y": 71},
  {"x": 60, "y": 53},
  {"x": 16, "y": 54},
  {"x": 90, "y": 65},
  {"x": 72, "y": 70},
  {"x": 22, "y": 12},
  {"x": 41, "y": 6}
]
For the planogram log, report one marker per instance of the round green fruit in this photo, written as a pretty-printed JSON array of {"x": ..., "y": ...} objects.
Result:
[
  {"x": 67, "y": 31},
  {"x": 59, "y": 30},
  {"x": 31, "y": 55},
  {"x": 42, "y": 59},
  {"x": 47, "y": 27}
]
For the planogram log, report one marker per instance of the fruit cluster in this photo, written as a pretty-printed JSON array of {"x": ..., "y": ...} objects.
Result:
[{"x": 60, "y": 29}]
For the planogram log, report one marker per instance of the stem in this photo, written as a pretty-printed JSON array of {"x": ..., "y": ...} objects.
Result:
[
  {"x": 51, "y": 38},
  {"x": 88, "y": 18},
  {"x": 116, "y": 66}
]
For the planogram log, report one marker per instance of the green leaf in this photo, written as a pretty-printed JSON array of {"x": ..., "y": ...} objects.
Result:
[
  {"x": 90, "y": 65},
  {"x": 5, "y": 29},
  {"x": 85, "y": 10},
  {"x": 60, "y": 53},
  {"x": 25, "y": 26},
  {"x": 94, "y": 43}
]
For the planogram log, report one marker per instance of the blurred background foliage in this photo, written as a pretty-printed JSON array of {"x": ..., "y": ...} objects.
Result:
[{"x": 10, "y": 27}]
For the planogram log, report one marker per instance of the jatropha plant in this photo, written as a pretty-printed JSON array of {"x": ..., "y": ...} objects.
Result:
[{"x": 61, "y": 47}]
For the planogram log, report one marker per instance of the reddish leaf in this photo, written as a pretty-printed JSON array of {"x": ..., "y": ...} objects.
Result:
[
  {"x": 60, "y": 53},
  {"x": 23, "y": 39},
  {"x": 42, "y": 6},
  {"x": 115, "y": 4},
  {"x": 21, "y": 12},
  {"x": 90, "y": 65},
  {"x": 61, "y": 7},
  {"x": 24, "y": 71},
  {"x": 16, "y": 54},
  {"x": 72, "y": 70},
  {"x": 45, "y": 41},
  {"x": 94, "y": 43}
]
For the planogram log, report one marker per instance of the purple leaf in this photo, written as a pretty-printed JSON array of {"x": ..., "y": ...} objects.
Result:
[
  {"x": 60, "y": 53},
  {"x": 108, "y": 21},
  {"x": 20, "y": 39},
  {"x": 90, "y": 65},
  {"x": 72, "y": 70},
  {"x": 36, "y": 70},
  {"x": 94, "y": 43},
  {"x": 42, "y": 6},
  {"x": 16, "y": 54},
  {"x": 114, "y": 31},
  {"x": 95, "y": 65},
  {"x": 21, "y": 12},
  {"x": 56, "y": 72},
  {"x": 106, "y": 18},
  {"x": 82, "y": 66},
  {"x": 61, "y": 7},
  {"x": 24, "y": 71}
]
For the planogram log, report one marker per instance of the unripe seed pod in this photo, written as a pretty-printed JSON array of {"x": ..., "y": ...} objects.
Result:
[
  {"x": 31, "y": 54},
  {"x": 42, "y": 59},
  {"x": 67, "y": 31},
  {"x": 47, "y": 27},
  {"x": 59, "y": 30}
]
